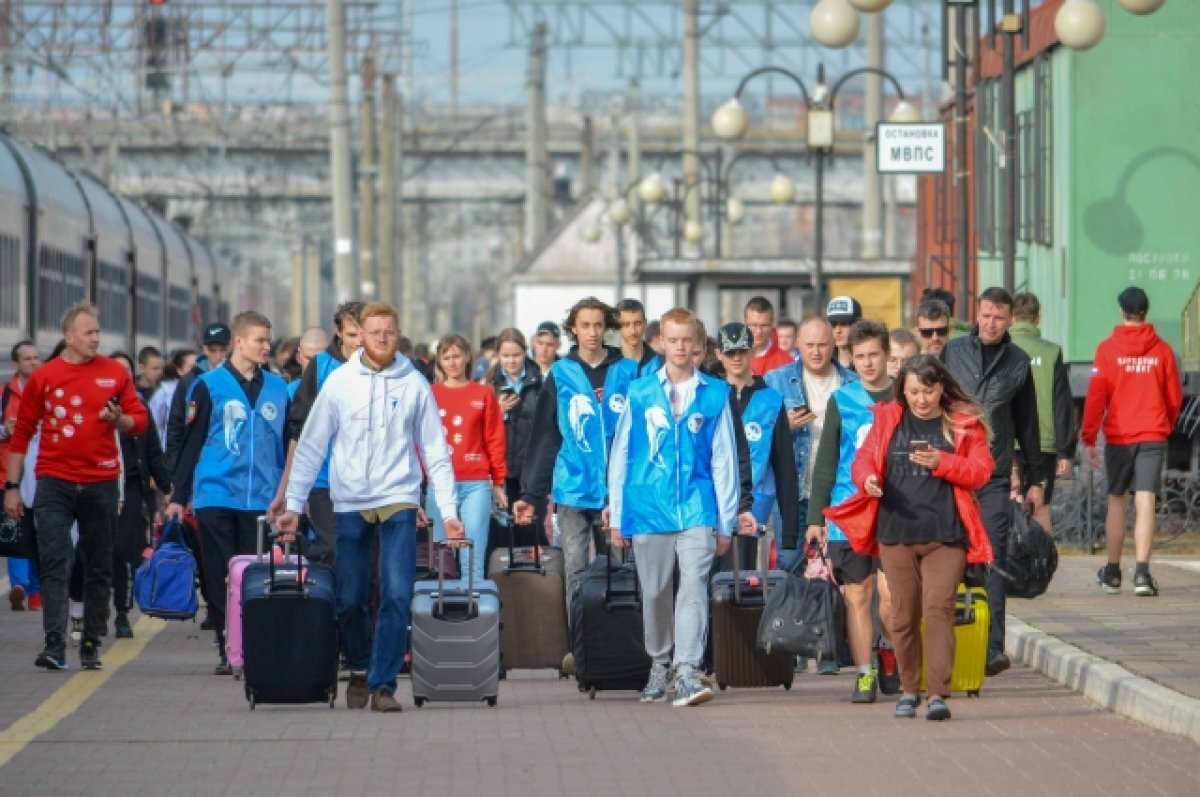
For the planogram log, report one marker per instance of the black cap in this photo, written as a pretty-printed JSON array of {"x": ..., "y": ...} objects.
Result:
[
  {"x": 548, "y": 326},
  {"x": 1133, "y": 301},
  {"x": 734, "y": 336},
  {"x": 843, "y": 310},
  {"x": 216, "y": 334}
]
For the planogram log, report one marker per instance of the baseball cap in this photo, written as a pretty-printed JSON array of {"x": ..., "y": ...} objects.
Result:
[
  {"x": 216, "y": 334},
  {"x": 1133, "y": 301},
  {"x": 734, "y": 336},
  {"x": 548, "y": 327},
  {"x": 843, "y": 310}
]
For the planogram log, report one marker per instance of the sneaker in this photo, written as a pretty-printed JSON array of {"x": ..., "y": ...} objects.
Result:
[
  {"x": 827, "y": 667},
  {"x": 223, "y": 667},
  {"x": 383, "y": 700},
  {"x": 54, "y": 656},
  {"x": 689, "y": 691},
  {"x": 356, "y": 691},
  {"x": 1109, "y": 582},
  {"x": 906, "y": 707},
  {"x": 889, "y": 672},
  {"x": 656, "y": 687},
  {"x": 864, "y": 688},
  {"x": 1144, "y": 585},
  {"x": 997, "y": 662},
  {"x": 16, "y": 597},
  {"x": 89, "y": 655},
  {"x": 76, "y": 631},
  {"x": 123, "y": 629},
  {"x": 568, "y": 665},
  {"x": 938, "y": 710},
  {"x": 35, "y": 602}
]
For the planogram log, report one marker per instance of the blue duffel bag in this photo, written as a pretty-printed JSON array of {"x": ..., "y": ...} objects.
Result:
[{"x": 165, "y": 584}]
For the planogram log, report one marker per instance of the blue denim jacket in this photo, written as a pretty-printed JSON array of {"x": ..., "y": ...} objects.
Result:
[{"x": 789, "y": 381}]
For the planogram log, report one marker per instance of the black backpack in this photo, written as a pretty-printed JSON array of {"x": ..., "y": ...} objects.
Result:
[{"x": 1032, "y": 556}]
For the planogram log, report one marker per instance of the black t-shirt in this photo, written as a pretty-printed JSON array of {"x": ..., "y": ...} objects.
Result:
[{"x": 917, "y": 507}]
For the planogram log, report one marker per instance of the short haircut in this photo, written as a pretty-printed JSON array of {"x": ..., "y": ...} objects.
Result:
[
  {"x": 146, "y": 353},
  {"x": 863, "y": 330},
  {"x": 997, "y": 295},
  {"x": 378, "y": 310},
  {"x": 786, "y": 323},
  {"x": 16, "y": 350},
  {"x": 683, "y": 316},
  {"x": 942, "y": 295},
  {"x": 934, "y": 310},
  {"x": 76, "y": 310},
  {"x": 246, "y": 320},
  {"x": 488, "y": 343},
  {"x": 631, "y": 306},
  {"x": 347, "y": 310},
  {"x": 903, "y": 337},
  {"x": 759, "y": 304},
  {"x": 1026, "y": 307},
  {"x": 653, "y": 330},
  {"x": 589, "y": 303}
]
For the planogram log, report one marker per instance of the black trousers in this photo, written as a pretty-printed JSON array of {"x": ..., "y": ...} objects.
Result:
[
  {"x": 994, "y": 504},
  {"x": 224, "y": 534},
  {"x": 320, "y": 515}
]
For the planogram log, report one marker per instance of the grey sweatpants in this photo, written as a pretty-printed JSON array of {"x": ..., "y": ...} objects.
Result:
[{"x": 684, "y": 623}]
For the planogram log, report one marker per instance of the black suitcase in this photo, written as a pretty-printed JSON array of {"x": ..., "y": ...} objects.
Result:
[
  {"x": 736, "y": 607},
  {"x": 606, "y": 628},
  {"x": 289, "y": 633}
]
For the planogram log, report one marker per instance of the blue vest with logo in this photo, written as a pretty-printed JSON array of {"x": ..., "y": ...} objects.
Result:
[
  {"x": 242, "y": 461},
  {"x": 651, "y": 366},
  {"x": 668, "y": 478},
  {"x": 326, "y": 364},
  {"x": 758, "y": 422},
  {"x": 854, "y": 407},
  {"x": 587, "y": 427}
]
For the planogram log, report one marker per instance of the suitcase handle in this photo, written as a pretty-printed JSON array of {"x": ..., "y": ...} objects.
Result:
[
  {"x": 506, "y": 520},
  {"x": 472, "y": 610},
  {"x": 761, "y": 533},
  {"x": 298, "y": 585},
  {"x": 632, "y": 598}
]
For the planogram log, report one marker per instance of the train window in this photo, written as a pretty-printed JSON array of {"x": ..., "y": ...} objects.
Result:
[
  {"x": 179, "y": 312},
  {"x": 206, "y": 310},
  {"x": 113, "y": 298},
  {"x": 61, "y": 283},
  {"x": 10, "y": 278},
  {"x": 149, "y": 305}
]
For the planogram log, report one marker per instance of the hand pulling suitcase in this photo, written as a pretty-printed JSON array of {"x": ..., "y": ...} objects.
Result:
[
  {"x": 972, "y": 616},
  {"x": 289, "y": 633},
  {"x": 456, "y": 639},
  {"x": 737, "y": 600},
  {"x": 233, "y": 599},
  {"x": 533, "y": 628},
  {"x": 606, "y": 628}
]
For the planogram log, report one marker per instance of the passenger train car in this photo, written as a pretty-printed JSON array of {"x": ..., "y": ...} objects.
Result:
[{"x": 65, "y": 237}]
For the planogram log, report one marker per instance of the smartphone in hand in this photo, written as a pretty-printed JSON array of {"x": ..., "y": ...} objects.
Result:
[{"x": 918, "y": 446}]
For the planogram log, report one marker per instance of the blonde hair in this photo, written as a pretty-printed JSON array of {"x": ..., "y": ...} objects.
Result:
[{"x": 76, "y": 310}]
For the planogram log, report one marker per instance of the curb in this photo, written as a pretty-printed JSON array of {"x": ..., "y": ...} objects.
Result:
[{"x": 1109, "y": 685}]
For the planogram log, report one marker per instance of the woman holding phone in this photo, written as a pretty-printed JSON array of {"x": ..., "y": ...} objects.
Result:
[
  {"x": 516, "y": 380},
  {"x": 474, "y": 426},
  {"x": 925, "y": 455}
]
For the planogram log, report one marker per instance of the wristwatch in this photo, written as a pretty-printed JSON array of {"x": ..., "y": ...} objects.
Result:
[{"x": 12, "y": 486}]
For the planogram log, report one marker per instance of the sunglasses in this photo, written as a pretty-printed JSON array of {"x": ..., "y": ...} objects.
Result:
[{"x": 929, "y": 332}]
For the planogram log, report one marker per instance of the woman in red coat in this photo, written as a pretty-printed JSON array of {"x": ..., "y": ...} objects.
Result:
[{"x": 926, "y": 454}]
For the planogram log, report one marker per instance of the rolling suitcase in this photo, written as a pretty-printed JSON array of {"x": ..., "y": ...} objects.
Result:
[
  {"x": 289, "y": 633},
  {"x": 972, "y": 617},
  {"x": 606, "y": 628},
  {"x": 737, "y": 600},
  {"x": 233, "y": 599},
  {"x": 456, "y": 639},
  {"x": 533, "y": 631}
]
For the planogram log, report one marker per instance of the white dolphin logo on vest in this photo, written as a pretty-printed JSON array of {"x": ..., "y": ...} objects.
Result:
[
  {"x": 579, "y": 410},
  {"x": 657, "y": 427},
  {"x": 234, "y": 416}
]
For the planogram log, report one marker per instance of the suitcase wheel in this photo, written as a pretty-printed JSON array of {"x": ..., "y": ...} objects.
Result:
[
  {"x": 787, "y": 687},
  {"x": 972, "y": 693},
  {"x": 722, "y": 686},
  {"x": 592, "y": 693},
  {"x": 418, "y": 701},
  {"x": 491, "y": 701},
  {"x": 237, "y": 673}
]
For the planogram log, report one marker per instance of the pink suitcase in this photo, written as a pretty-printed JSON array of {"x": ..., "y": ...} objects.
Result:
[{"x": 233, "y": 599}]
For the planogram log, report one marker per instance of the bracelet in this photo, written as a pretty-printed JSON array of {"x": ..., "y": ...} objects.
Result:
[{"x": 12, "y": 486}]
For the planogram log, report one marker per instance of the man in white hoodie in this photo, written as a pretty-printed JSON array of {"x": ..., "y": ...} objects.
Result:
[{"x": 380, "y": 417}]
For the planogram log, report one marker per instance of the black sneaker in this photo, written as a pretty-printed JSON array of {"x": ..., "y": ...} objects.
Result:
[
  {"x": 89, "y": 655},
  {"x": 997, "y": 662},
  {"x": 54, "y": 656},
  {"x": 123, "y": 629},
  {"x": 1144, "y": 585},
  {"x": 1109, "y": 582}
]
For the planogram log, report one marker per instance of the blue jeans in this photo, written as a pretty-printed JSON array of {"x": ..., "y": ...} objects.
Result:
[
  {"x": 475, "y": 512},
  {"x": 382, "y": 657}
]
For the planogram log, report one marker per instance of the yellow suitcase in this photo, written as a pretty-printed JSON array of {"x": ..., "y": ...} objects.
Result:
[{"x": 971, "y": 620}]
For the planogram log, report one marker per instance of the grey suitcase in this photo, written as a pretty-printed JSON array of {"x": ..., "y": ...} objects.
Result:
[{"x": 456, "y": 639}]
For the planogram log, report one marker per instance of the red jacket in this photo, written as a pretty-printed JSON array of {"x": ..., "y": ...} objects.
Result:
[
  {"x": 11, "y": 404},
  {"x": 967, "y": 469},
  {"x": 1135, "y": 388},
  {"x": 474, "y": 426},
  {"x": 771, "y": 358}
]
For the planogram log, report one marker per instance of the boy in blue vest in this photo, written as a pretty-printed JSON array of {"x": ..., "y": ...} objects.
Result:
[
  {"x": 674, "y": 486},
  {"x": 572, "y": 430},
  {"x": 631, "y": 320},
  {"x": 232, "y": 456},
  {"x": 759, "y": 410},
  {"x": 847, "y": 420}
]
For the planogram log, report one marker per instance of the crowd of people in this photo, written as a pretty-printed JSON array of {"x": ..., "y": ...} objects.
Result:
[{"x": 892, "y": 451}]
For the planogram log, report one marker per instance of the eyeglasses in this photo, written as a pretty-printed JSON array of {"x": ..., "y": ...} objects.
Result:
[{"x": 929, "y": 332}]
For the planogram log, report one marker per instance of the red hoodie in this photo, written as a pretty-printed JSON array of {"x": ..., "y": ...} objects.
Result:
[
  {"x": 770, "y": 358},
  {"x": 1135, "y": 388},
  {"x": 12, "y": 403},
  {"x": 475, "y": 432}
]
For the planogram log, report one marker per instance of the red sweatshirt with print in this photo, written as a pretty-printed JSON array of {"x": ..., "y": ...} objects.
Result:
[
  {"x": 1135, "y": 388},
  {"x": 66, "y": 399},
  {"x": 474, "y": 428}
]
